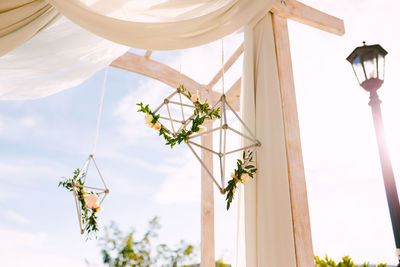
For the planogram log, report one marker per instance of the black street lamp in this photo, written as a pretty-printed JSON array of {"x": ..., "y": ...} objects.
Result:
[{"x": 368, "y": 63}]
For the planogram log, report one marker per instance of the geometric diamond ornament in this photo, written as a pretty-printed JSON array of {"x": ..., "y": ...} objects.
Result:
[
  {"x": 175, "y": 111},
  {"x": 95, "y": 188},
  {"x": 223, "y": 129}
]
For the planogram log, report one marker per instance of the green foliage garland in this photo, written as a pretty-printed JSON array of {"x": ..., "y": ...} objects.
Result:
[
  {"x": 77, "y": 186},
  {"x": 241, "y": 174},
  {"x": 202, "y": 112}
]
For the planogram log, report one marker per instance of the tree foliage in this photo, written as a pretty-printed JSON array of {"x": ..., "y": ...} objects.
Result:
[
  {"x": 128, "y": 250},
  {"x": 345, "y": 262}
]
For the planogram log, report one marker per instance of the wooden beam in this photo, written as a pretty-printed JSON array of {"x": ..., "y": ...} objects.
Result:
[
  {"x": 153, "y": 69},
  {"x": 227, "y": 65},
  {"x": 161, "y": 72},
  {"x": 207, "y": 204},
  {"x": 233, "y": 94},
  {"x": 297, "y": 182},
  {"x": 302, "y": 13},
  {"x": 148, "y": 54}
]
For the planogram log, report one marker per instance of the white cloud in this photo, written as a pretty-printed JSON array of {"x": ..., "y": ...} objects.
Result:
[
  {"x": 17, "y": 127},
  {"x": 20, "y": 249},
  {"x": 16, "y": 217},
  {"x": 26, "y": 170},
  {"x": 182, "y": 181},
  {"x": 132, "y": 126}
]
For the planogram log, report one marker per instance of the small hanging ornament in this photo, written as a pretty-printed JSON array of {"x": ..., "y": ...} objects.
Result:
[{"x": 88, "y": 199}]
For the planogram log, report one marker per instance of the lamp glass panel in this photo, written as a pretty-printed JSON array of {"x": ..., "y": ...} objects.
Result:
[
  {"x": 381, "y": 67},
  {"x": 358, "y": 69},
  {"x": 370, "y": 65}
]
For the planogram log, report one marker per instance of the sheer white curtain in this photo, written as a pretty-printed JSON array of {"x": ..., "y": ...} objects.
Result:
[
  {"x": 162, "y": 24},
  {"x": 58, "y": 58},
  {"x": 267, "y": 215},
  {"x": 64, "y": 54},
  {"x": 20, "y": 20}
]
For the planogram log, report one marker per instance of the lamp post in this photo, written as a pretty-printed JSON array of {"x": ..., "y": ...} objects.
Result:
[{"x": 368, "y": 62}]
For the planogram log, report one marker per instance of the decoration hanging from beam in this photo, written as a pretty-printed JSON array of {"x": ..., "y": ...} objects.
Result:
[
  {"x": 189, "y": 128},
  {"x": 244, "y": 169},
  {"x": 88, "y": 199},
  {"x": 190, "y": 124}
]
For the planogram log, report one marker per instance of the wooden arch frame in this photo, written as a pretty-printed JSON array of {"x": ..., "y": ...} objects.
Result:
[{"x": 281, "y": 10}]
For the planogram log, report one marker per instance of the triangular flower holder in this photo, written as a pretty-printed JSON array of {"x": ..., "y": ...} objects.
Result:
[
  {"x": 100, "y": 191},
  {"x": 222, "y": 152},
  {"x": 171, "y": 122}
]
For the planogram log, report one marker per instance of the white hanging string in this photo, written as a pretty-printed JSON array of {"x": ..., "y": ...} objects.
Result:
[
  {"x": 180, "y": 96},
  {"x": 100, "y": 111},
  {"x": 223, "y": 67}
]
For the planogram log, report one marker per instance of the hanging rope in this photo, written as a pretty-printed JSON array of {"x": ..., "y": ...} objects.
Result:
[
  {"x": 180, "y": 73},
  {"x": 100, "y": 111},
  {"x": 223, "y": 67}
]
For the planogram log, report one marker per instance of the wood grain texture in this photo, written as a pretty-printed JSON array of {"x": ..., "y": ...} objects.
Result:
[
  {"x": 207, "y": 204},
  {"x": 307, "y": 15},
  {"x": 148, "y": 54},
  {"x": 227, "y": 65},
  {"x": 161, "y": 72},
  {"x": 297, "y": 182},
  {"x": 233, "y": 94}
]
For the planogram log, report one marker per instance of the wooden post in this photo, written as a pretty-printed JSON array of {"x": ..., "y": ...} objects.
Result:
[
  {"x": 207, "y": 204},
  {"x": 297, "y": 182}
]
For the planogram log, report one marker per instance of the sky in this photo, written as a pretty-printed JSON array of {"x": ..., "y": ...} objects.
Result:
[{"x": 44, "y": 140}]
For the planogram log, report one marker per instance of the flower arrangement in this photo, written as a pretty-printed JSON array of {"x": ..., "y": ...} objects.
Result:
[
  {"x": 202, "y": 112},
  {"x": 194, "y": 125},
  {"x": 89, "y": 201},
  {"x": 241, "y": 174}
]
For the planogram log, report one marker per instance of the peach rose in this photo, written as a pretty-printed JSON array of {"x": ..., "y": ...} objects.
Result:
[
  {"x": 157, "y": 126},
  {"x": 148, "y": 118},
  {"x": 194, "y": 98},
  {"x": 99, "y": 210},
  {"x": 244, "y": 177},
  {"x": 92, "y": 201}
]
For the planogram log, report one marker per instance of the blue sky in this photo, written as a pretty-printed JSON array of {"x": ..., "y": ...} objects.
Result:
[
  {"x": 43, "y": 140},
  {"x": 46, "y": 139}
]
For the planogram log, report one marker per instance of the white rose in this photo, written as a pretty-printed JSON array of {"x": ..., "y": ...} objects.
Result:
[
  {"x": 92, "y": 201},
  {"x": 148, "y": 118},
  {"x": 194, "y": 98},
  {"x": 244, "y": 177},
  {"x": 202, "y": 129}
]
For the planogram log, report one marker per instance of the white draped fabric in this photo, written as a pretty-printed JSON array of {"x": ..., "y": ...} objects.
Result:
[
  {"x": 20, "y": 20},
  {"x": 58, "y": 58},
  {"x": 268, "y": 219},
  {"x": 160, "y": 24},
  {"x": 64, "y": 54}
]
